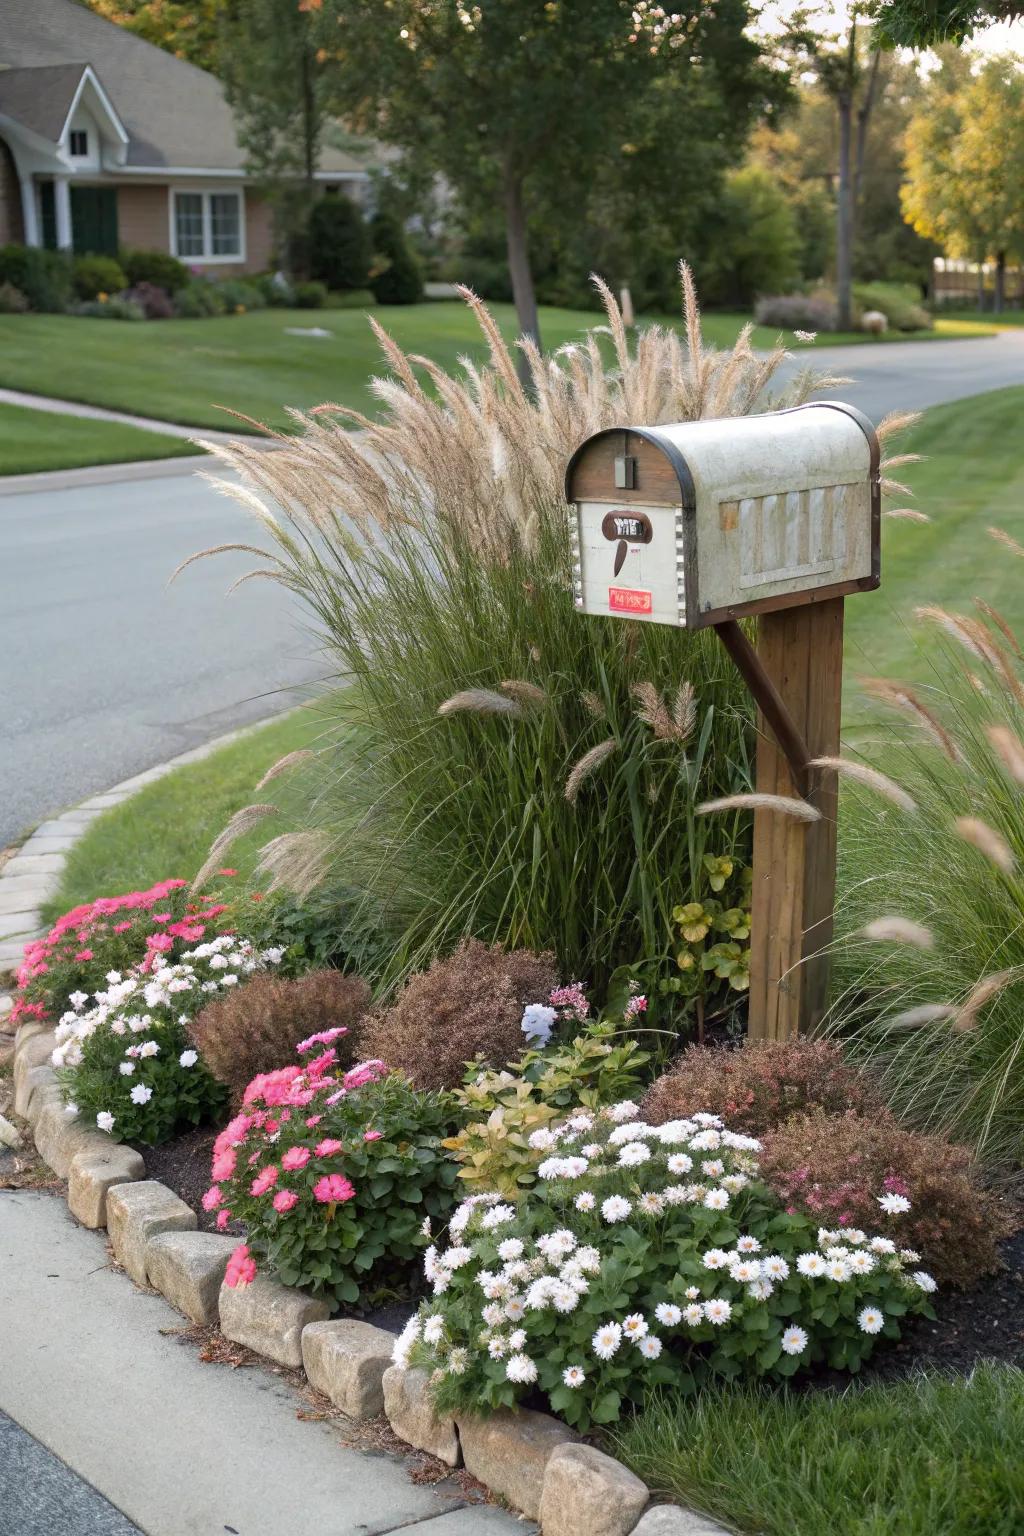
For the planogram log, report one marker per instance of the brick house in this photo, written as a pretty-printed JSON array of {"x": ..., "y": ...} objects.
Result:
[{"x": 107, "y": 141}]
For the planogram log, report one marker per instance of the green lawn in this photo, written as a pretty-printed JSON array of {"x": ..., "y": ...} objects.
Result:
[
  {"x": 181, "y": 370},
  {"x": 925, "y": 1458},
  {"x": 38, "y": 440},
  {"x": 972, "y": 477},
  {"x": 165, "y": 831}
]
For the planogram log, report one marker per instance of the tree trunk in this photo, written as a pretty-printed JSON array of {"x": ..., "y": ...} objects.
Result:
[
  {"x": 519, "y": 257},
  {"x": 1000, "y": 281},
  {"x": 981, "y": 285},
  {"x": 844, "y": 217}
]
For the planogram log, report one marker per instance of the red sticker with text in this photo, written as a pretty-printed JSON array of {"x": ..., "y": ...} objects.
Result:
[{"x": 628, "y": 600}]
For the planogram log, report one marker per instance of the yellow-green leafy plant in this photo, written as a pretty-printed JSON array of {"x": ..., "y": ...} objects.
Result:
[
  {"x": 713, "y": 954},
  {"x": 503, "y": 1110}
]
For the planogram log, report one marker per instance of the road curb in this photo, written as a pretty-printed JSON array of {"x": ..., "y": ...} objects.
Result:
[{"x": 32, "y": 875}]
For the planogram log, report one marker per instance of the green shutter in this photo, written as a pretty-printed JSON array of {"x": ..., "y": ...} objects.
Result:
[{"x": 48, "y": 215}]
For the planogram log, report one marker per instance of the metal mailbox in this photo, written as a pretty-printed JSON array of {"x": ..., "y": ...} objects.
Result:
[{"x": 701, "y": 522}]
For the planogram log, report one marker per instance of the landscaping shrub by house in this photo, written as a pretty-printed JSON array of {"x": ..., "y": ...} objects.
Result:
[
  {"x": 155, "y": 267},
  {"x": 255, "y": 1028},
  {"x": 155, "y": 302},
  {"x": 310, "y": 295},
  {"x": 339, "y": 243},
  {"x": 466, "y": 1006},
  {"x": 395, "y": 275},
  {"x": 126, "y": 1062},
  {"x": 338, "y": 1178},
  {"x": 113, "y": 933},
  {"x": 12, "y": 300},
  {"x": 199, "y": 299},
  {"x": 44, "y": 277},
  {"x": 93, "y": 275},
  {"x": 760, "y": 1085},
  {"x": 797, "y": 312},
  {"x": 834, "y": 1166},
  {"x": 648, "y": 1256}
]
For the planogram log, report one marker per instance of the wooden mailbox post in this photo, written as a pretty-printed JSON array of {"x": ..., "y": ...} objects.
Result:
[{"x": 705, "y": 523}]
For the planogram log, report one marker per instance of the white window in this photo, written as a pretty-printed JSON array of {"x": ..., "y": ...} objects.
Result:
[
  {"x": 79, "y": 142},
  {"x": 207, "y": 226}
]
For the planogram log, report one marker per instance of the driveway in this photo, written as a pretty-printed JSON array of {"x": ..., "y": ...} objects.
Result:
[
  {"x": 910, "y": 375},
  {"x": 106, "y": 671}
]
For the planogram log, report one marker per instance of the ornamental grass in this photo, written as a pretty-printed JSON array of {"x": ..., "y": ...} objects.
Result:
[
  {"x": 506, "y": 776},
  {"x": 930, "y": 959}
]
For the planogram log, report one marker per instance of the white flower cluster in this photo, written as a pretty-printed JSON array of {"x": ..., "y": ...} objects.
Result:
[
  {"x": 136, "y": 1005},
  {"x": 552, "y": 1272}
]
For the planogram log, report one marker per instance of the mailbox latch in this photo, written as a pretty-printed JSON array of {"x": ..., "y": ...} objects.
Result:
[{"x": 625, "y": 472}]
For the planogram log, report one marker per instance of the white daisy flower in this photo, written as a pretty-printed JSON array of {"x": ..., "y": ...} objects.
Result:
[
  {"x": 775, "y": 1267},
  {"x": 760, "y": 1290},
  {"x": 574, "y": 1376},
  {"x": 871, "y": 1320},
  {"x": 692, "y": 1293},
  {"x": 794, "y": 1341},
  {"x": 650, "y": 1347},
  {"x": 517, "y": 1338},
  {"x": 126, "y": 1068},
  {"x": 625, "y": 1110},
  {"x": 712, "y": 1167},
  {"x": 909, "y": 1256},
  {"x": 149, "y": 1048},
  {"x": 693, "y": 1314},
  {"x": 668, "y": 1314},
  {"x": 521, "y": 1368},
  {"x": 924, "y": 1281},
  {"x": 811, "y": 1265},
  {"x": 510, "y": 1248},
  {"x": 861, "y": 1263},
  {"x": 188, "y": 1058},
  {"x": 716, "y": 1199},
  {"x": 458, "y": 1361},
  {"x": 651, "y": 1204},
  {"x": 565, "y": 1298},
  {"x": 674, "y": 1194},
  {"x": 606, "y": 1340},
  {"x": 615, "y": 1208},
  {"x": 633, "y": 1154},
  {"x": 588, "y": 1260},
  {"x": 838, "y": 1270},
  {"x": 716, "y": 1258},
  {"x": 734, "y": 1182},
  {"x": 141, "y": 1093},
  {"x": 717, "y": 1311},
  {"x": 433, "y": 1330},
  {"x": 455, "y": 1258},
  {"x": 679, "y": 1162},
  {"x": 634, "y": 1326},
  {"x": 882, "y": 1245},
  {"x": 894, "y": 1205},
  {"x": 747, "y": 1244},
  {"x": 493, "y": 1315},
  {"x": 585, "y": 1201},
  {"x": 497, "y": 1216},
  {"x": 105, "y": 1120},
  {"x": 541, "y": 1141},
  {"x": 745, "y": 1271}
]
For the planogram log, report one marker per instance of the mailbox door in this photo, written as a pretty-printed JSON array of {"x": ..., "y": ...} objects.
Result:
[{"x": 627, "y": 561}]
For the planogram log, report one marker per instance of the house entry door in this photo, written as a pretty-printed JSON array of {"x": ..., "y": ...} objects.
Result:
[{"x": 94, "y": 220}]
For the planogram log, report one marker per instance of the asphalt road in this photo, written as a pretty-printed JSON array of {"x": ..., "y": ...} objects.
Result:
[
  {"x": 911, "y": 375},
  {"x": 105, "y": 670}
]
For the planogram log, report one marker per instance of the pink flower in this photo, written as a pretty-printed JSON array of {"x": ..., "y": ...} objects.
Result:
[
  {"x": 333, "y": 1188},
  {"x": 320, "y": 1064},
  {"x": 314, "y": 1120},
  {"x": 161, "y": 942},
  {"x": 224, "y": 1164},
  {"x": 365, "y": 1072},
  {"x": 325, "y": 1037},
  {"x": 241, "y": 1269},
  {"x": 212, "y": 1198},
  {"x": 371, "y": 1135},
  {"x": 84, "y": 954},
  {"x": 284, "y": 1200},
  {"x": 295, "y": 1158},
  {"x": 223, "y": 1217},
  {"x": 121, "y": 927},
  {"x": 328, "y": 1147},
  {"x": 190, "y": 932},
  {"x": 264, "y": 1181}
]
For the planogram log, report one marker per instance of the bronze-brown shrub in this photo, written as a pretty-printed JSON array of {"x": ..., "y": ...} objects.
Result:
[
  {"x": 469, "y": 1004},
  {"x": 255, "y": 1028},
  {"x": 760, "y": 1085},
  {"x": 835, "y": 1167}
]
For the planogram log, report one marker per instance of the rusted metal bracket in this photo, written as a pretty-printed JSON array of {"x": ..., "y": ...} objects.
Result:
[{"x": 768, "y": 700}]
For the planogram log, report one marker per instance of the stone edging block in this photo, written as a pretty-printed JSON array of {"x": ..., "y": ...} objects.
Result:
[
  {"x": 269, "y": 1318},
  {"x": 510, "y": 1452},
  {"x": 138, "y": 1212},
  {"x": 188, "y": 1269},
  {"x": 413, "y": 1419},
  {"x": 587, "y": 1493},
  {"x": 93, "y": 1174},
  {"x": 673, "y": 1520},
  {"x": 346, "y": 1360}
]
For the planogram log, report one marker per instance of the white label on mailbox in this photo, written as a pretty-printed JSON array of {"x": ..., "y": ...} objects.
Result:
[{"x": 628, "y": 562}]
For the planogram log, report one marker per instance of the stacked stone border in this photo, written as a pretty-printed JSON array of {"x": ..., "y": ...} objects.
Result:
[{"x": 530, "y": 1461}]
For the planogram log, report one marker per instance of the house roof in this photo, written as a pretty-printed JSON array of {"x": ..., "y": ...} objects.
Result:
[
  {"x": 176, "y": 116},
  {"x": 40, "y": 99}
]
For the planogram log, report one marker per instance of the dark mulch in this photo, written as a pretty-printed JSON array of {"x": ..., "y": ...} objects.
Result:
[{"x": 184, "y": 1166}]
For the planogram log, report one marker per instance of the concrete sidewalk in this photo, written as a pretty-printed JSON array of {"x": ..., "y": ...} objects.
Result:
[
  {"x": 58, "y": 407},
  {"x": 179, "y": 1448}
]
